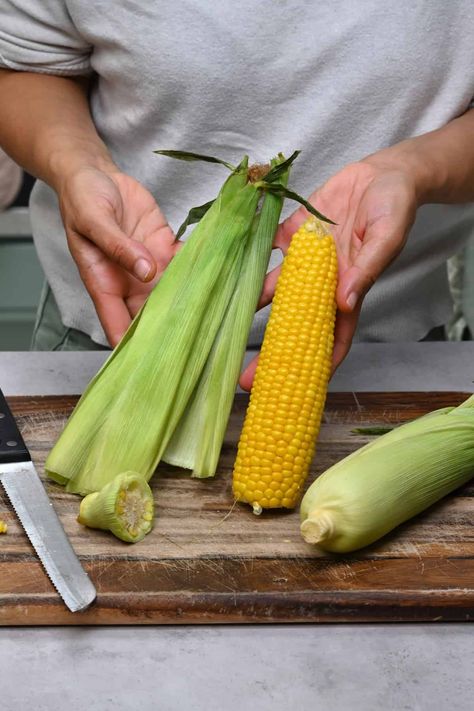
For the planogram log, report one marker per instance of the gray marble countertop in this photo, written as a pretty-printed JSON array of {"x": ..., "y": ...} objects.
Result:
[
  {"x": 369, "y": 367},
  {"x": 354, "y": 667}
]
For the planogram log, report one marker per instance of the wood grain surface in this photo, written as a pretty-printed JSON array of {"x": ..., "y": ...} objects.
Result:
[{"x": 208, "y": 560}]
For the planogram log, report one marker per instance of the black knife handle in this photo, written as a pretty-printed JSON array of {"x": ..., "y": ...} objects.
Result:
[{"x": 12, "y": 447}]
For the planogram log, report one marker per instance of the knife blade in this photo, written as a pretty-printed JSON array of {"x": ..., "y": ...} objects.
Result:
[{"x": 38, "y": 517}]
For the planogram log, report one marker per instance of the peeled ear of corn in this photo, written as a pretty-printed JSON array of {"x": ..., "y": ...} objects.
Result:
[
  {"x": 398, "y": 475},
  {"x": 177, "y": 365},
  {"x": 282, "y": 423},
  {"x": 3, "y": 527},
  {"x": 124, "y": 506}
]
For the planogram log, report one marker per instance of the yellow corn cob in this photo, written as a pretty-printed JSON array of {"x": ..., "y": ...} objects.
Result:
[
  {"x": 3, "y": 526},
  {"x": 289, "y": 391}
]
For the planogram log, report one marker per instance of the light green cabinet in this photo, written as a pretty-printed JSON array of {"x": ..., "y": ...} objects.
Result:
[{"x": 21, "y": 280}]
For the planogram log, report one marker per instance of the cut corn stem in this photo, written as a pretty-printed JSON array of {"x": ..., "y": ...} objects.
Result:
[
  {"x": 318, "y": 527},
  {"x": 124, "y": 506},
  {"x": 281, "y": 426},
  {"x": 395, "y": 477}
]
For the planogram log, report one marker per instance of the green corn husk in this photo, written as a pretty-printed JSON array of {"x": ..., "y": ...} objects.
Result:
[
  {"x": 124, "y": 507},
  {"x": 197, "y": 441},
  {"x": 187, "y": 343},
  {"x": 391, "y": 479},
  {"x": 142, "y": 389}
]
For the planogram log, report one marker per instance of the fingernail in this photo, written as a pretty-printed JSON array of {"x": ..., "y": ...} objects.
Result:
[
  {"x": 142, "y": 269},
  {"x": 352, "y": 300}
]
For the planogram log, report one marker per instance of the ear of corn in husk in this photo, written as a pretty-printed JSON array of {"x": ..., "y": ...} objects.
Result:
[
  {"x": 282, "y": 423},
  {"x": 180, "y": 351},
  {"x": 398, "y": 475},
  {"x": 124, "y": 506}
]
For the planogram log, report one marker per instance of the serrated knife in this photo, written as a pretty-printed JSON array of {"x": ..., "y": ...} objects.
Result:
[{"x": 38, "y": 518}]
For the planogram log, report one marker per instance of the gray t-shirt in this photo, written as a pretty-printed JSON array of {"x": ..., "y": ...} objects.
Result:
[{"x": 336, "y": 79}]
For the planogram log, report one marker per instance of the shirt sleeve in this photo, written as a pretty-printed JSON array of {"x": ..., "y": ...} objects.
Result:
[{"x": 41, "y": 37}]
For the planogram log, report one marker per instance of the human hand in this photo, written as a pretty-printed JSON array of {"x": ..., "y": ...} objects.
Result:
[
  {"x": 374, "y": 204},
  {"x": 118, "y": 238}
]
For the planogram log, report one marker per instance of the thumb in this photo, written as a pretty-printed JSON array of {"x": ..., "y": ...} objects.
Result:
[
  {"x": 103, "y": 231},
  {"x": 288, "y": 227}
]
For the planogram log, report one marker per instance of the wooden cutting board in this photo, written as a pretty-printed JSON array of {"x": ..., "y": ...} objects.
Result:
[{"x": 208, "y": 560}]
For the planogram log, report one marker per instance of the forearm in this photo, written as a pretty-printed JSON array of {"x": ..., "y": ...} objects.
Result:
[
  {"x": 46, "y": 126},
  {"x": 441, "y": 162}
]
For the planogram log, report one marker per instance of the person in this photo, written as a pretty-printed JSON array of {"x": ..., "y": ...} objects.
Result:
[{"x": 378, "y": 96}]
